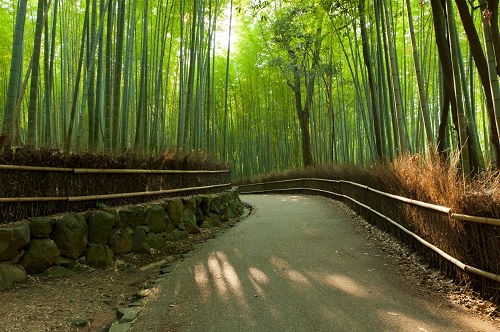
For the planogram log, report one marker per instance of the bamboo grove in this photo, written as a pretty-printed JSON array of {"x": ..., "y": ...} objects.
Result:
[{"x": 262, "y": 85}]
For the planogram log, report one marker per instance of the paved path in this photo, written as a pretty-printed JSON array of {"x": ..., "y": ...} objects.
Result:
[{"x": 296, "y": 264}]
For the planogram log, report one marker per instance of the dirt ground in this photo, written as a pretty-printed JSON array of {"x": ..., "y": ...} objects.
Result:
[{"x": 93, "y": 295}]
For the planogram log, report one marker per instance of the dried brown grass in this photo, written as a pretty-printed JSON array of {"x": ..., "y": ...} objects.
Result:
[{"x": 426, "y": 179}]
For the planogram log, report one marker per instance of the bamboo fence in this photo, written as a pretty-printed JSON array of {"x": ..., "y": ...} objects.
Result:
[
  {"x": 339, "y": 189},
  {"x": 31, "y": 191}
]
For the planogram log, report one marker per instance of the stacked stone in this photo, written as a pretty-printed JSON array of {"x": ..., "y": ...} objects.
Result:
[{"x": 52, "y": 245}]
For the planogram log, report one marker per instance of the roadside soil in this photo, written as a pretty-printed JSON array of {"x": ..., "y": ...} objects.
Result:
[
  {"x": 93, "y": 295},
  {"x": 419, "y": 275}
]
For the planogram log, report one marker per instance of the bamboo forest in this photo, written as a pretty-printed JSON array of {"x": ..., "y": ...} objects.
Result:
[{"x": 261, "y": 85}]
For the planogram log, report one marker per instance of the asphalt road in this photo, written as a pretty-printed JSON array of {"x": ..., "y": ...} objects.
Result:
[{"x": 296, "y": 264}]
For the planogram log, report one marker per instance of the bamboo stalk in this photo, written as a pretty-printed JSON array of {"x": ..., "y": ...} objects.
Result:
[{"x": 440, "y": 252}]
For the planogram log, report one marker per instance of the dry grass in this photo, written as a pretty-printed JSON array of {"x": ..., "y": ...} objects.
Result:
[{"x": 413, "y": 176}]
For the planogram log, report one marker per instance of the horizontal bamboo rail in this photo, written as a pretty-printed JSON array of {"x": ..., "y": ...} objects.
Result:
[
  {"x": 108, "y": 196},
  {"x": 440, "y": 252},
  {"x": 36, "y": 168},
  {"x": 144, "y": 171},
  {"x": 442, "y": 209},
  {"x": 107, "y": 171}
]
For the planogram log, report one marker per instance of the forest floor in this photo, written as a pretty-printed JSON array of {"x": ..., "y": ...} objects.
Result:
[{"x": 93, "y": 295}]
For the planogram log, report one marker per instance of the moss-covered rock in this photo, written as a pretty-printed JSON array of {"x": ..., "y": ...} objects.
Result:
[
  {"x": 157, "y": 241},
  {"x": 71, "y": 235},
  {"x": 10, "y": 274},
  {"x": 205, "y": 202},
  {"x": 175, "y": 209},
  {"x": 121, "y": 242},
  {"x": 58, "y": 271},
  {"x": 212, "y": 220},
  {"x": 140, "y": 243},
  {"x": 156, "y": 219},
  {"x": 41, "y": 227},
  {"x": 190, "y": 203},
  {"x": 177, "y": 235},
  {"x": 40, "y": 255},
  {"x": 216, "y": 204},
  {"x": 100, "y": 224},
  {"x": 12, "y": 240},
  {"x": 132, "y": 215},
  {"x": 189, "y": 221},
  {"x": 99, "y": 255}
]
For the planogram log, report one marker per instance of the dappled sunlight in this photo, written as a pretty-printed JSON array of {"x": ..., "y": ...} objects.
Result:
[
  {"x": 258, "y": 279},
  {"x": 292, "y": 198},
  {"x": 292, "y": 275},
  {"x": 258, "y": 275},
  {"x": 230, "y": 276},
  {"x": 219, "y": 277},
  {"x": 215, "y": 269},
  {"x": 202, "y": 281},
  {"x": 343, "y": 283}
]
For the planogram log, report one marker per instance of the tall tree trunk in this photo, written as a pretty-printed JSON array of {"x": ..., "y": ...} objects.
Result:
[
  {"x": 108, "y": 84},
  {"x": 396, "y": 87},
  {"x": 77, "y": 81},
  {"x": 33, "y": 99},
  {"x": 118, "y": 74},
  {"x": 488, "y": 37},
  {"x": 141, "y": 127},
  {"x": 420, "y": 80},
  {"x": 371, "y": 84},
  {"x": 462, "y": 120},
  {"x": 128, "y": 76},
  {"x": 482, "y": 69},
  {"x": 92, "y": 118},
  {"x": 7, "y": 137},
  {"x": 226, "y": 92},
  {"x": 440, "y": 29}
]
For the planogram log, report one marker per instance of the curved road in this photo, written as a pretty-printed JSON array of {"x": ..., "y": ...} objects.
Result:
[{"x": 296, "y": 264}]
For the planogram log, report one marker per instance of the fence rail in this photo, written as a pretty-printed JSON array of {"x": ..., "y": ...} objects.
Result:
[
  {"x": 106, "y": 171},
  {"x": 31, "y": 191},
  {"x": 443, "y": 209}
]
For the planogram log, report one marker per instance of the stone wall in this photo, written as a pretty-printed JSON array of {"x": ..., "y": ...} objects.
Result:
[{"x": 49, "y": 244}]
